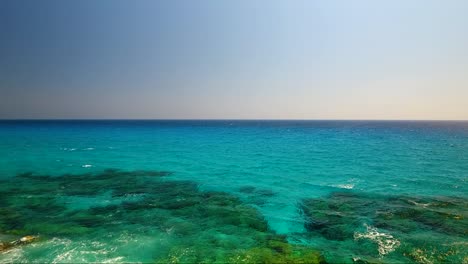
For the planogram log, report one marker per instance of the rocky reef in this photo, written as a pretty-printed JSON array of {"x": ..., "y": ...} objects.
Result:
[
  {"x": 144, "y": 215},
  {"x": 395, "y": 228},
  {"x": 4, "y": 246}
]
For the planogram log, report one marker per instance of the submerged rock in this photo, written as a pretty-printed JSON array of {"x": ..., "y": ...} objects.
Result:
[
  {"x": 25, "y": 240},
  {"x": 279, "y": 252},
  {"x": 399, "y": 228},
  {"x": 16, "y": 243},
  {"x": 247, "y": 189},
  {"x": 178, "y": 222}
]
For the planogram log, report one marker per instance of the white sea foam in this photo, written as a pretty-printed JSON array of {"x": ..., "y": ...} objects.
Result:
[
  {"x": 69, "y": 149},
  {"x": 13, "y": 255},
  {"x": 87, "y": 166},
  {"x": 348, "y": 186},
  {"x": 386, "y": 242},
  {"x": 80, "y": 252},
  {"x": 419, "y": 204}
]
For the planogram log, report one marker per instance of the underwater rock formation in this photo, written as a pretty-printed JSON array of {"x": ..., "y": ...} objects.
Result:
[
  {"x": 400, "y": 228},
  {"x": 179, "y": 223},
  {"x": 16, "y": 243}
]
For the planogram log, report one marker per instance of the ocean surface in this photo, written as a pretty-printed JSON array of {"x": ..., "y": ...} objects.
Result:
[{"x": 234, "y": 191}]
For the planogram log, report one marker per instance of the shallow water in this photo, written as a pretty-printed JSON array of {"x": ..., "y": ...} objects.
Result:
[{"x": 217, "y": 191}]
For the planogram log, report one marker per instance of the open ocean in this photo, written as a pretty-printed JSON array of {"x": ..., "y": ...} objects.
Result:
[{"x": 234, "y": 191}]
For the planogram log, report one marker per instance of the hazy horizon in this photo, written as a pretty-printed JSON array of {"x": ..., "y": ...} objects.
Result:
[
  {"x": 232, "y": 119},
  {"x": 244, "y": 60}
]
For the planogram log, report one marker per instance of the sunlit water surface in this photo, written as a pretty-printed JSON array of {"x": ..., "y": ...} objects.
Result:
[{"x": 217, "y": 191}]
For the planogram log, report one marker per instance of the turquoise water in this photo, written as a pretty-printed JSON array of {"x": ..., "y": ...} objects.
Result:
[{"x": 227, "y": 191}]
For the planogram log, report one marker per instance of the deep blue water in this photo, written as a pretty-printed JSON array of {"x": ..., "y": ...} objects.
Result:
[{"x": 380, "y": 191}]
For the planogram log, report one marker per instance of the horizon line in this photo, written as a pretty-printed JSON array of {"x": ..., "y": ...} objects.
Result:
[{"x": 221, "y": 119}]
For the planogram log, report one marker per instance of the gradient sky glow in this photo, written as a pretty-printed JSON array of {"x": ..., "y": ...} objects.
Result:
[{"x": 395, "y": 59}]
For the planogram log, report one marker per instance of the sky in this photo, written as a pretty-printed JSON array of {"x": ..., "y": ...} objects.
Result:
[{"x": 243, "y": 59}]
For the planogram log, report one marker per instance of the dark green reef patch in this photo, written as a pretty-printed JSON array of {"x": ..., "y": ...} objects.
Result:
[
  {"x": 162, "y": 221},
  {"x": 395, "y": 228}
]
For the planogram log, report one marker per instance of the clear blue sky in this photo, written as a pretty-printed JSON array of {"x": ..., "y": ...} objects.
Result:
[{"x": 308, "y": 59}]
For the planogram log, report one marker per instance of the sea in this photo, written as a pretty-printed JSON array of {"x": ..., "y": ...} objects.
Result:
[{"x": 233, "y": 191}]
